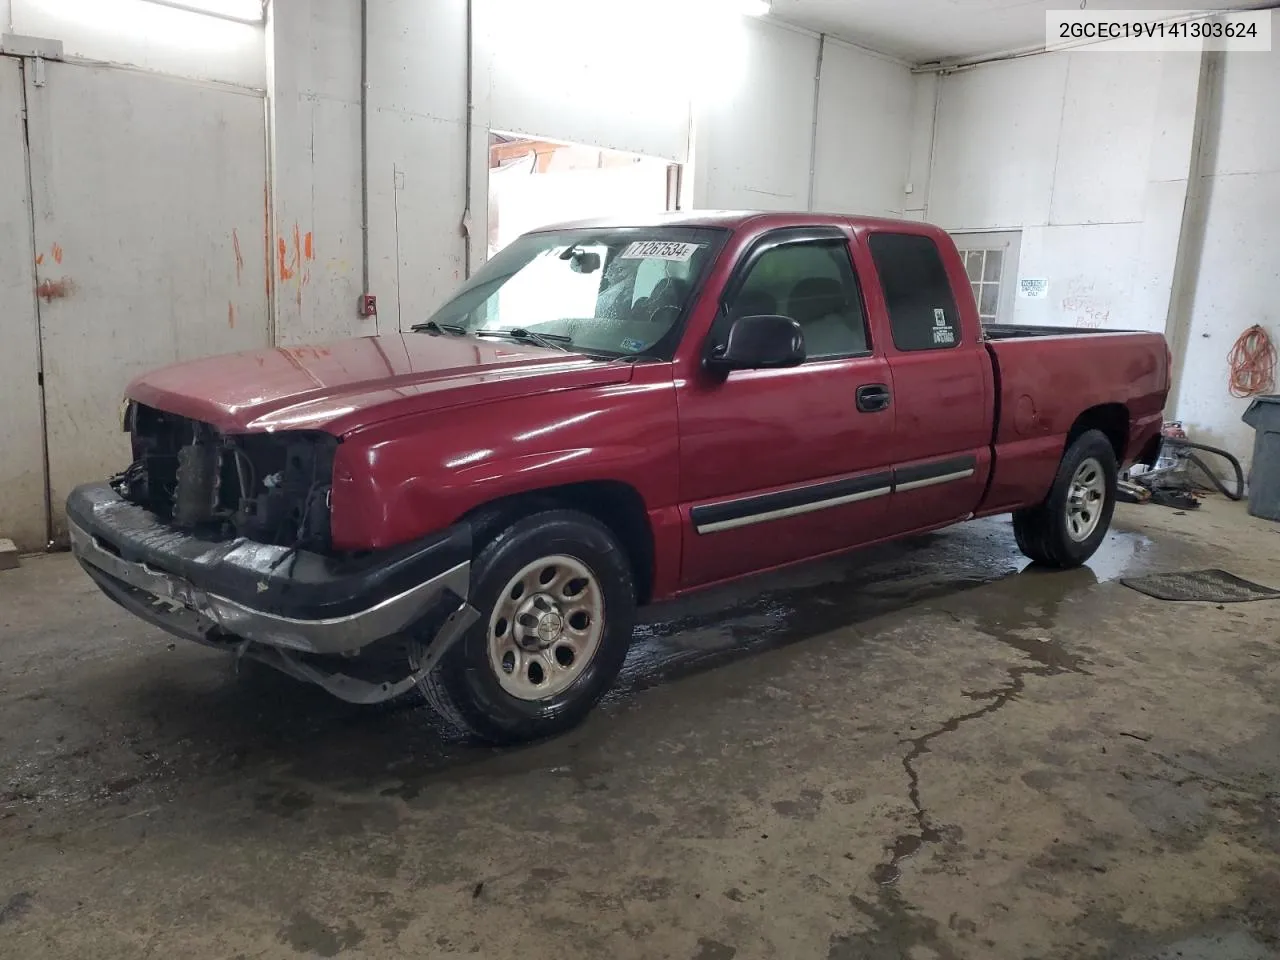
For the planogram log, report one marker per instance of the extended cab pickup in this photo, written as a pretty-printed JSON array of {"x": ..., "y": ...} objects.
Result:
[{"x": 605, "y": 415}]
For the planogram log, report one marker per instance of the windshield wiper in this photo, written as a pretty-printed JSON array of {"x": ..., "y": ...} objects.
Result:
[
  {"x": 431, "y": 326},
  {"x": 553, "y": 341}
]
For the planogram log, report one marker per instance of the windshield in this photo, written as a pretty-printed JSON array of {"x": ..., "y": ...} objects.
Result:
[{"x": 616, "y": 291}]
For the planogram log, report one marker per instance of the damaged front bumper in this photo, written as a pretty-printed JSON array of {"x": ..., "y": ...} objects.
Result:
[{"x": 272, "y": 603}]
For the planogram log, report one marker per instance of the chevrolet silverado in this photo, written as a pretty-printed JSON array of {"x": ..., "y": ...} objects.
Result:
[{"x": 606, "y": 415}]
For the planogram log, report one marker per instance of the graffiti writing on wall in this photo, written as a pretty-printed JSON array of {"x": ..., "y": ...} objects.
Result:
[{"x": 1082, "y": 306}]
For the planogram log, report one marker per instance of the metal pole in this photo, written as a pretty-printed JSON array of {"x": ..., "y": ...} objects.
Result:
[
  {"x": 468, "y": 149},
  {"x": 813, "y": 132},
  {"x": 364, "y": 145}
]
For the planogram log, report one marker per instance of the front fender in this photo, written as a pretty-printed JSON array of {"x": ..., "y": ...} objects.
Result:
[{"x": 410, "y": 477}]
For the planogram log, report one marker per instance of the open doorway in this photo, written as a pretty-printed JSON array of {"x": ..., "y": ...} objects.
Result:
[{"x": 534, "y": 182}]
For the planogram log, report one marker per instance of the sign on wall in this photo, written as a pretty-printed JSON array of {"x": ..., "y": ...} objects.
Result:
[{"x": 1033, "y": 288}]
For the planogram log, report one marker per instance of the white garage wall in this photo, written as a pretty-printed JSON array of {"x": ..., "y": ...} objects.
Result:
[
  {"x": 149, "y": 36},
  {"x": 1238, "y": 280},
  {"x": 754, "y": 131},
  {"x": 864, "y": 132},
  {"x": 924, "y": 112},
  {"x": 756, "y": 140},
  {"x": 1088, "y": 154},
  {"x": 417, "y": 151},
  {"x": 314, "y": 71},
  {"x": 416, "y": 148}
]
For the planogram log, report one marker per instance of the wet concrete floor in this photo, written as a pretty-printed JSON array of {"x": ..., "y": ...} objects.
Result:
[{"x": 924, "y": 750}]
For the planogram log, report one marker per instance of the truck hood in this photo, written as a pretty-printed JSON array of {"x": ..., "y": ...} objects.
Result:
[{"x": 342, "y": 386}]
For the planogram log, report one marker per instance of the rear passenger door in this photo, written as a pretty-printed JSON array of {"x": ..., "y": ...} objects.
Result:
[
  {"x": 780, "y": 465},
  {"x": 943, "y": 383}
]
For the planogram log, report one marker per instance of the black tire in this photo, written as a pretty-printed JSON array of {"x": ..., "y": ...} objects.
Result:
[
  {"x": 1043, "y": 532},
  {"x": 465, "y": 688}
]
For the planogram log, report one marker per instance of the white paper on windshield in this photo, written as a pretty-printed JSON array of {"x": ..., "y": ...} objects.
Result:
[{"x": 660, "y": 250}]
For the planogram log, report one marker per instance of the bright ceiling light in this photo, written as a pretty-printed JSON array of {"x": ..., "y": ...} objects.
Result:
[
  {"x": 242, "y": 11},
  {"x": 753, "y": 8}
]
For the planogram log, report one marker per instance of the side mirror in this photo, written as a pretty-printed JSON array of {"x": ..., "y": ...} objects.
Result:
[{"x": 760, "y": 343}]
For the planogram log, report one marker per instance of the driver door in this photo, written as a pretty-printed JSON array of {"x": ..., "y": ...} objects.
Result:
[{"x": 780, "y": 465}]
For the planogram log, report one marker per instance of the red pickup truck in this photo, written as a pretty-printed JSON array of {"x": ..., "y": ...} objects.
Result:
[{"x": 605, "y": 415}]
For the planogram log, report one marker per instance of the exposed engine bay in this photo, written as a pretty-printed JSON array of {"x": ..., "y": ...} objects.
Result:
[{"x": 271, "y": 488}]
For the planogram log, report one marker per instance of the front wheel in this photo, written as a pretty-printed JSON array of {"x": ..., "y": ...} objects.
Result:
[
  {"x": 1069, "y": 526},
  {"x": 557, "y": 604}
]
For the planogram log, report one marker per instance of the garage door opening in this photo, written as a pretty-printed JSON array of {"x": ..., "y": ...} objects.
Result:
[{"x": 534, "y": 182}]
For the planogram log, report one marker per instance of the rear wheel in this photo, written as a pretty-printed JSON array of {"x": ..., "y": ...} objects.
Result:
[
  {"x": 557, "y": 605},
  {"x": 1069, "y": 526}
]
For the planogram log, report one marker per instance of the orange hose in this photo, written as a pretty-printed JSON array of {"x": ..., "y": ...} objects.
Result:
[{"x": 1253, "y": 363}]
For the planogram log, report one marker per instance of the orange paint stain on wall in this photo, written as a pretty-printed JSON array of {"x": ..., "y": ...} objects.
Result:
[
  {"x": 57, "y": 253},
  {"x": 231, "y": 315},
  {"x": 39, "y": 259},
  {"x": 283, "y": 249},
  {"x": 293, "y": 259}
]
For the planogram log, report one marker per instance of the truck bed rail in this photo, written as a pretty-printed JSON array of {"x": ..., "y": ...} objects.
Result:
[{"x": 1014, "y": 331}]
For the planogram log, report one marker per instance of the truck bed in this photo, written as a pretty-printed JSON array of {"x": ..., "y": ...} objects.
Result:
[{"x": 1042, "y": 384}]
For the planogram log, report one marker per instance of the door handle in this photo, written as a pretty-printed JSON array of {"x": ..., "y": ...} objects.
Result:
[{"x": 873, "y": 397}]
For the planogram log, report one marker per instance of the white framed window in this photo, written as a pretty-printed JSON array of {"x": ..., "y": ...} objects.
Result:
[{"x": 991, "y": 262}]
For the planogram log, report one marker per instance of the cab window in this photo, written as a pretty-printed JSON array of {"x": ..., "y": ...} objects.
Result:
[
  {"x": 917, "y": 292},
  {"x": 813, "y": 283}
]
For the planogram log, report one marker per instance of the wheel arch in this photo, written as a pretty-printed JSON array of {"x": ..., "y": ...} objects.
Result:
[
  {"x": 615, "y": 504},
  {"x": 1110, "y": 419}
]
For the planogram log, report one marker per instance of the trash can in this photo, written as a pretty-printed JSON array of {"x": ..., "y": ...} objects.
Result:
[{"x": 1264, "y": 477}]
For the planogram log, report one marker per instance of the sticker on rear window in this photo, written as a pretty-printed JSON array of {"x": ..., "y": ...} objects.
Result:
[
  {"x": 942, "y": 332},
  {"x": 635, "y": 346},
  {"x": 660, "y": 250}
]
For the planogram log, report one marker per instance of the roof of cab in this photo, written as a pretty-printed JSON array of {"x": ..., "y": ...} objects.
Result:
[{"x": 732, "y": 220}]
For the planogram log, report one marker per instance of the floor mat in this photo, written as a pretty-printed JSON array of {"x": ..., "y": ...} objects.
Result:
[{"x": 1208, "y": 586}]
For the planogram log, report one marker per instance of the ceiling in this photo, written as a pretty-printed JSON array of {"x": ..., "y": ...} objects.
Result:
[{"x": 922, "y": 31}]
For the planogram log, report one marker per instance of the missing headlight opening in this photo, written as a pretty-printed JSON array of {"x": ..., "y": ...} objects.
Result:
[{"x": 270, "y": 488}]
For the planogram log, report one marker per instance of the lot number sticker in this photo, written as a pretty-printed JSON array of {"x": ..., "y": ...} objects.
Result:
[{"x": 660, "y": 250}]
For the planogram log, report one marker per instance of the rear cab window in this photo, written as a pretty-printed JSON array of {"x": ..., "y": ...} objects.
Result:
[{"x": 917, "y": 291}]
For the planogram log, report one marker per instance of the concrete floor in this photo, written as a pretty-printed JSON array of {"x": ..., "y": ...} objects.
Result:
[{"x": 920, "y": 751}]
